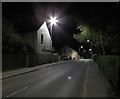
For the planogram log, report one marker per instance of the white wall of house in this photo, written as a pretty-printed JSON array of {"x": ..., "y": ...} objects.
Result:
[
  {"x": 67, "y": 51},
  {"x": 44, "y": 43}
]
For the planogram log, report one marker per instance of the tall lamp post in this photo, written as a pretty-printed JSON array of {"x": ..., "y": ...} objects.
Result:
[{"x": 53, "y": 21}]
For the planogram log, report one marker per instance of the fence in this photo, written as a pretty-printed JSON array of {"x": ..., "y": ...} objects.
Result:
[{"x": 21, "y": 60}]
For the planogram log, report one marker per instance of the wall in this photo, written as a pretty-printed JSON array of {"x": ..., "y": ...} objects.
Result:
[
  {"x": 21, "y": 60},
  {"x": 13, "y": 61},
  {"x": 47, "y": 43},
  {"x": 74, "y": 54},
  {"x": 37, "y": 59},
  {"x": 30, "y": 37},
  {"x": 34, "y": 38}
]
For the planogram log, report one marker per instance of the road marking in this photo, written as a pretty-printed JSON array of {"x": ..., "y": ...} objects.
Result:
[{"x": 17, "y": 91}]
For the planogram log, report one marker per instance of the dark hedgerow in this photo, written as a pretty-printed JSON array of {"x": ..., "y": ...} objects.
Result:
[{"x": 110, "y": 66}]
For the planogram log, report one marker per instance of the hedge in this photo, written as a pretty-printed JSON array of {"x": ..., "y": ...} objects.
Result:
[{"x": 110, "y": 66}]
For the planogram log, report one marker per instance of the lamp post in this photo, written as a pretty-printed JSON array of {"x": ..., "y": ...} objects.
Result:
[{"x": 53, "y": 21}]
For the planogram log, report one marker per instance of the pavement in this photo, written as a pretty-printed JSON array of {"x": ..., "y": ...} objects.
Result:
[
  {"x": 95, "y": 82},
  {"x": 21, "y": 71},
  {"x": 72, "y": 78}
]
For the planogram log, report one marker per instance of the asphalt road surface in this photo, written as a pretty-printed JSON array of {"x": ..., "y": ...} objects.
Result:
[{"x": 66, "y": 79}]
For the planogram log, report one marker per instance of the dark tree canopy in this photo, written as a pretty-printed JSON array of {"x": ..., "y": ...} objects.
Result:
[{"x": 12, "y": 41}]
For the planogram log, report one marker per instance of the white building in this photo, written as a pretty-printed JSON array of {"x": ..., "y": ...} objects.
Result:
[
  {"x": 40, "y": 40},
  {"x": 44, "y": 42}
]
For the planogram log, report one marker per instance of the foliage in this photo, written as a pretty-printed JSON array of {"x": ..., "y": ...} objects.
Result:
[
  {"x": 11, "y": 39},
  {"x": 84, "y": 33},
  {"x": 100, "y": 34},
  {"x": 110, "y": 66}
]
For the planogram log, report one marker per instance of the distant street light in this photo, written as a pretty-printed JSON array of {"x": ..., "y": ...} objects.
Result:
[
  {"x": 84, "y": 50},
  {"x": 53, "y": 21},
  {"x": 90, "y": 49},
  {"x": 81, "y": 46},
  {"x": 90, "y": 45},
  {"x": 88, "y": 40}
]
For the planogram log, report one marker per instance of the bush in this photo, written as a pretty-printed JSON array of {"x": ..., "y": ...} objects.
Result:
[
  {"x": 11, "y": 39},
  {"x": 110, "y": 66},
  {"x": 94, "y": 57}
]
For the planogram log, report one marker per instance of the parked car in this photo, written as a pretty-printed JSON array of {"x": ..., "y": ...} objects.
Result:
[
  {"x": 74, "y": 58},
  {"x": 67, "y": 57}
]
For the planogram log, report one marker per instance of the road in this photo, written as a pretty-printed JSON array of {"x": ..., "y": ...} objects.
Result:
[{"x": 62, "y": 80}]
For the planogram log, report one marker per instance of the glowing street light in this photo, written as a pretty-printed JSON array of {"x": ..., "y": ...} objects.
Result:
[
  {"x": 81, "y": 46},
  {"x": 53, "y": 21},
  {"x": 88, "y": 40},
  {"x": 90, "y": 49}
]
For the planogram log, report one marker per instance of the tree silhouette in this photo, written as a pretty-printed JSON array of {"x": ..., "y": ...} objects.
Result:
[{"x": 11, "y": 40}]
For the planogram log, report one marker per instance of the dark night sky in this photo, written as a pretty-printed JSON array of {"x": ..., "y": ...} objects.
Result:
[{"x": 29, "y": 16}]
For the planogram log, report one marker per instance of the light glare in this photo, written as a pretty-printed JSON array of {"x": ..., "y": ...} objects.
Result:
[
  {"x": 90, "y": 49},
  {"x": 69, "y": 77},
  {"x": 87, "y": 40},
  {"x": 53, "y": 20}
]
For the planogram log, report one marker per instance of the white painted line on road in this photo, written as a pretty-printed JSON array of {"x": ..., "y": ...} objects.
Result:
[{"x": 17, "y": 91}]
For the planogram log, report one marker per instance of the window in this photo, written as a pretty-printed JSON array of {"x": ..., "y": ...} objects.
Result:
[{"x": 41, "y": 38}]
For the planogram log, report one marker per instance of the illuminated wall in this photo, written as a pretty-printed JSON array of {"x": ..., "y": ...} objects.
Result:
[
  {"x": 44, "y": 42},
  {"x": 67, "y": 51}
]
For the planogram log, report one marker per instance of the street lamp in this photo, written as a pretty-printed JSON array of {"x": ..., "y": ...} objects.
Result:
[
  {"x": 81, "y": 46},
  {"x": 53, "y": 21},
  {"x": 90, "y": 49},
  {"x": 88, "y": 40}
]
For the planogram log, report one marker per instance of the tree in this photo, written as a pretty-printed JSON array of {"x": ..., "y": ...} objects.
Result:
[
  {"x": 100, "y": 34},
  {"x": 11, "y": 39}
]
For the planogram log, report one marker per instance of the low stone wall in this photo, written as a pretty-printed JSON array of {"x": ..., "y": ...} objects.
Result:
[
  {"x": 13, "y": 61},
  {"x": 20, "y": 60},
  {"x": 38, "y": 59}
]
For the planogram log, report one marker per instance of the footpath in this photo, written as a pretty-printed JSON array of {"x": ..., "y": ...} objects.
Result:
[
  {"x": 96, "y": 85},
  {"x": 21, "y": 71}
]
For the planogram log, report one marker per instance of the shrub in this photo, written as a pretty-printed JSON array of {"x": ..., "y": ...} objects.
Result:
[
  {"x": 11, "y": 39},
  {"x": 110, "y": 66},
  {"x": 94, "y": 57}
]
